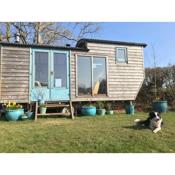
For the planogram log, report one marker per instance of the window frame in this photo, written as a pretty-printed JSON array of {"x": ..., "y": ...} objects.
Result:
[
  {"x": 91, "y": 57},
  {"x": 34, "y": 68},
  {"x": 126, "y": 55}
]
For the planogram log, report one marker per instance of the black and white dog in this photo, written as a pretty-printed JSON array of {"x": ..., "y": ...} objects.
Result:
[{"x": 154, "y": 122}]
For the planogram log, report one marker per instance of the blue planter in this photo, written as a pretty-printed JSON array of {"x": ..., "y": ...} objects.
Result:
[
  {"x": 160, "y": 106},
  {"x": 14, "y": 115},
  {"x": 130, "y": 109},
  {"x": 89, "y": 111}
]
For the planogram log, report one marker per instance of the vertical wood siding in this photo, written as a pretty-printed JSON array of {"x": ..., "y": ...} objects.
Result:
[
  {"x": 124, "y": 79},
  {"x": 15, "y": 74}
]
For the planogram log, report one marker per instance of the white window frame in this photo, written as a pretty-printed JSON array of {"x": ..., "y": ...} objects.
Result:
[{"x": 126, "y": 55}]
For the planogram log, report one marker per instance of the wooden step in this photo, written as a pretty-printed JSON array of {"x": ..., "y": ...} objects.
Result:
[
  {"x": 56, "y": 114},
  {"x": 56, "y": 105}
]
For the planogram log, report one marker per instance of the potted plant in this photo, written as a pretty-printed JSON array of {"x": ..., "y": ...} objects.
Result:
[
  {"x": 129, "y": 108},
  {"x": 39, "y": 95},
  {"x": 88, "y": 110},
  {"x": 160, "y": 105},
  {"x": 13, "y": 111},
  {"x": 42, "y": 108},
  {"x": 109, "y": 111},
  {"x": 100, "y": 108}
]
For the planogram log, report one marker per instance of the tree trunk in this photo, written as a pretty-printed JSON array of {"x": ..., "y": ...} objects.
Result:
[{"x": 8, "y": 32}]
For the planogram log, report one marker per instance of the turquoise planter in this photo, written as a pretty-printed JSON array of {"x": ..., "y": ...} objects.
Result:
[
  {"x": 101, "y": 111},
  {"x": 130, "y": 109},
  {"x": 160, "y": 106},
  {"x": 88, "y": 111},
  {"x": 14, "y": 115},
  {"x": 42, "y": 110}
]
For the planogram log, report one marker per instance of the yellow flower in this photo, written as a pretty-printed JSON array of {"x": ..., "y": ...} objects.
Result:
[{"x": 14, "y": 103}]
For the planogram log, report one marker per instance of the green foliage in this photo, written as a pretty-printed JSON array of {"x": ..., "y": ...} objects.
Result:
[{"x": 165, "y": 86}]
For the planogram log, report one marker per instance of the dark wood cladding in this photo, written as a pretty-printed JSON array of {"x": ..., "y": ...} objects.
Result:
[{"x": 15, "y": 74}]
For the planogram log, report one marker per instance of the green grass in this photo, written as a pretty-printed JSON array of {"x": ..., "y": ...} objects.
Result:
[{"x": 114, "y": 134}]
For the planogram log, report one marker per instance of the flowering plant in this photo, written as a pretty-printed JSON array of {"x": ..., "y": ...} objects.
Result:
[{"x": 12, "y": 106}]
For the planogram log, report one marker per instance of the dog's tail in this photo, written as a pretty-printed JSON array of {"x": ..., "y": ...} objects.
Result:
[{"x": 137, "y": 120}]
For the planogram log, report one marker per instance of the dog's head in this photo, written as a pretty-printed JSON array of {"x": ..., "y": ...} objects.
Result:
[{"x": 154, "y": 115}]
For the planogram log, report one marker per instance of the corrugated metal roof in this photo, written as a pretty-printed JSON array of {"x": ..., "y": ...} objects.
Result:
[
  {"x": 85, "y": 40},
  {"x": 44, "y": 46}
]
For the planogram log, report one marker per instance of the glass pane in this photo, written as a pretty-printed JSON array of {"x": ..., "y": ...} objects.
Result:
[
  {"x": 84, "y": 75},
  {"x": 60, "y": 70},
  {"x": 41, "y": 69},
  {"x": 121, "y": 54},
  {"x": 99, "y": 76}
]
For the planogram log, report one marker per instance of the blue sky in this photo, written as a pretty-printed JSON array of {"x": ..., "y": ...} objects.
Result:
[{"x": 159, "y": 35}]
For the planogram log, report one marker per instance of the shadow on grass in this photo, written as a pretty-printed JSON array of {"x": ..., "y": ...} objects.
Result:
[{"x": 135, "y": 127}]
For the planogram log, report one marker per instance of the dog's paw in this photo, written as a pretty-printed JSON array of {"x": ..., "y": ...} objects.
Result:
[
  {"x": 137, "y": 120},
  {"x": 156, "y": 130}
]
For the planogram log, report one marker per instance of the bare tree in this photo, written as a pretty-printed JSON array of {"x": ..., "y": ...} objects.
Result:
[
  {"x": 0, "y": 32},
  {"x": 8, "y": 32},
  {"x": 52, "y": 32}
]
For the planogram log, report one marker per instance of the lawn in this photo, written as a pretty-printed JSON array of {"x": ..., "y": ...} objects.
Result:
[{"x": 109, "y": 134}]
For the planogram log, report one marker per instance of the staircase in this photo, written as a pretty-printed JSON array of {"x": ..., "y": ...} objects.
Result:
[{"x": 56, "y": 105}]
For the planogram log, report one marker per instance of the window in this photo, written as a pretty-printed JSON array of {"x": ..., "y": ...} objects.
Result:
[
  {"x": 99, "y": 76},
  {"x": 91, "y": 74},
  {"x": 84, "y": 75},
  {"x": 60, "y": 70},
  {"x": 121, "y": 54},
  {"x": 41, "y": 69}
]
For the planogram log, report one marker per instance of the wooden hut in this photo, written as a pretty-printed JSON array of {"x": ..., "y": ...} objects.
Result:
[{"x": 93, "y": 70}]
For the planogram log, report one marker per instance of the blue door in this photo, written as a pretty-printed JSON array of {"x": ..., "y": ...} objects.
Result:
[
  {"x": 49, "y": 75},
  {"x": 59, "y": 76}
]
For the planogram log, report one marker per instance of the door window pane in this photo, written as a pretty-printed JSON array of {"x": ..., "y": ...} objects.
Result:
[
  {"x": 41, "y": 69},
  {"x": 99, "y": 76},
  {"x": 84, "y": 75},
  {"x": 60, "y": 70}
]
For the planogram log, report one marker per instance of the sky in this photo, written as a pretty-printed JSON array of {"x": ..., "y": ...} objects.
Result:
[{"x": 160, "y": 36}]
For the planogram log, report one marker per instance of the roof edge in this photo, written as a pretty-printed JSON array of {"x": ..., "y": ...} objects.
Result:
[
  {"x": 84, "y": 41},
  {"x": 43, "y": 46}
]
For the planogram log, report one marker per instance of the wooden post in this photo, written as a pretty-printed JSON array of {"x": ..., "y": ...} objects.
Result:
[
  {"x": 71, "y": 109},
  {"x": 30, "y": 107},
  {"x": 36, "y": 110}
]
